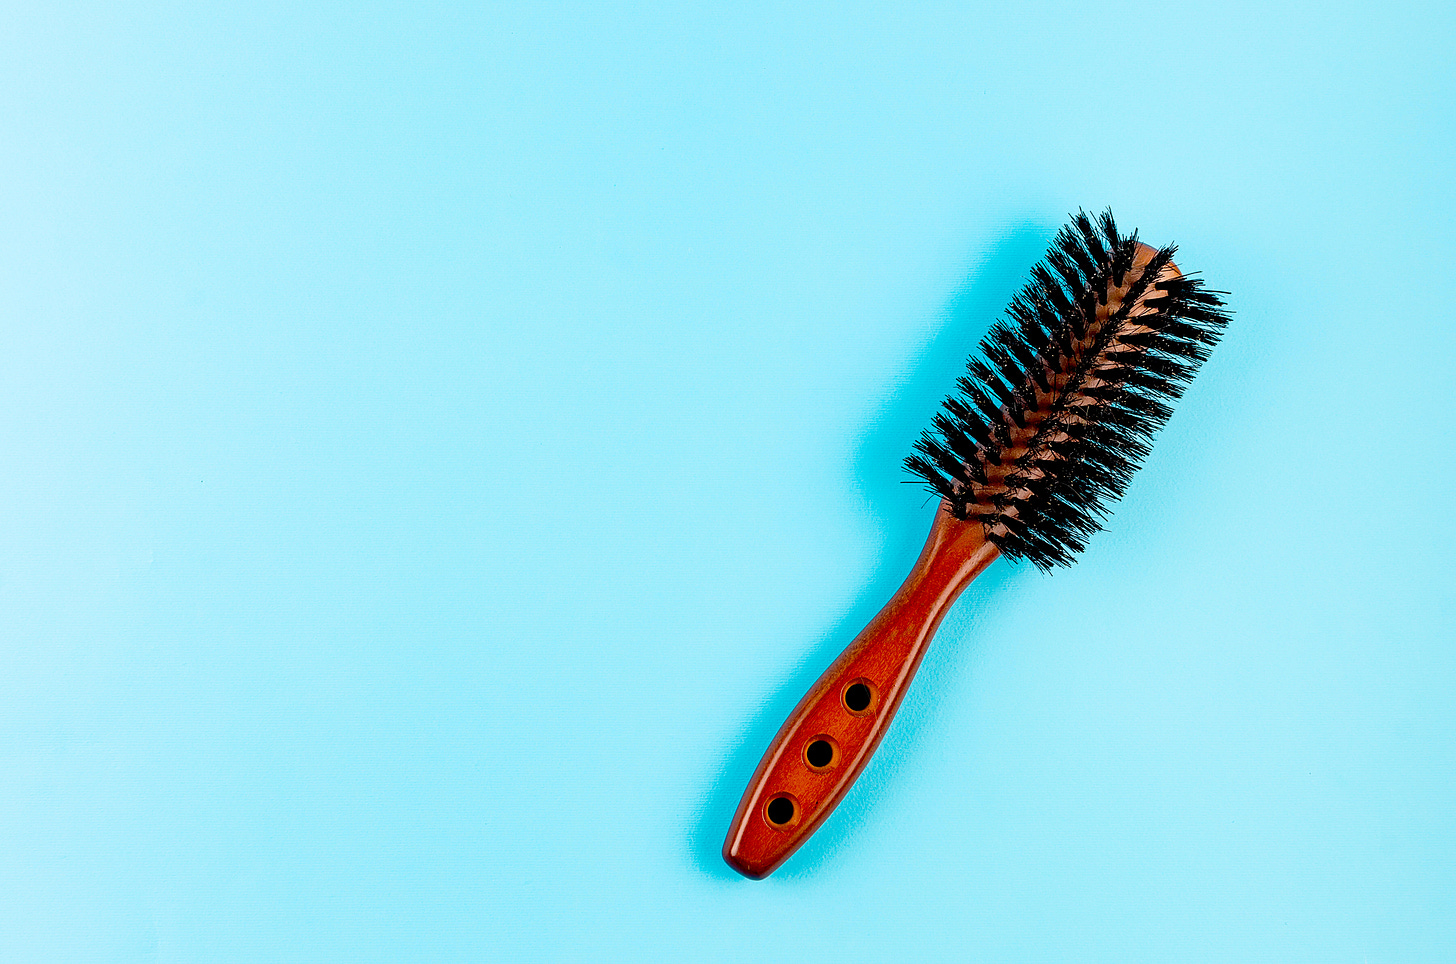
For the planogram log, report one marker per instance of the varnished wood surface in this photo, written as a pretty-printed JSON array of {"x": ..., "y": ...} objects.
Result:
[{"x": 884, "y": 656}]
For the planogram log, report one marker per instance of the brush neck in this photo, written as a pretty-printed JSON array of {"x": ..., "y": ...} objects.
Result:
[{"x": 955, "y": 553}]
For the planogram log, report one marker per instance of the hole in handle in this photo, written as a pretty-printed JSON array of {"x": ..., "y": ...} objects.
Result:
[
  {"x": 781, "y": 812},
  {"x": 860, "y": 697},
  {"x": 821, "y": 753}
]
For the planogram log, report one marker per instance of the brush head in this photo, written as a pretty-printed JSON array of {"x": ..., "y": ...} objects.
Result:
[{"x": 1057, "y": 411}]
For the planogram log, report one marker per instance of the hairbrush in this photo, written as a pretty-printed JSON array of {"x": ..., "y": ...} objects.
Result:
[{"x": 1043, "y": 432}]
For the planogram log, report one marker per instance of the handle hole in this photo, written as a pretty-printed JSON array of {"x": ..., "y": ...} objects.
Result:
[
  {"x": 821, "y": 754},
  {"x": 860, "y": 697},
  {"x": 781, "y": 812}
]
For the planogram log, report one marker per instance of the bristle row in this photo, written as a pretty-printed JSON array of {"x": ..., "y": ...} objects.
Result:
[{"x": 1052, "y": 419}]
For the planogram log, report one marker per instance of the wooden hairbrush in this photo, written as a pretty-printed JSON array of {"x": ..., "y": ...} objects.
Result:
[{"x": 1043, "y": 432}]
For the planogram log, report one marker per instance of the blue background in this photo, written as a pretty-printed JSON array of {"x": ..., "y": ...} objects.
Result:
[{"x": 441, "y": 442}]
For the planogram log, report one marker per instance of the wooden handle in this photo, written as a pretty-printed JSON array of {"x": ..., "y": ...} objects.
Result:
[{"x": 826, "y": 742}]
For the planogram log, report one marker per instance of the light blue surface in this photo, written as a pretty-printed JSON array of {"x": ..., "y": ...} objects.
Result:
[{"x": 441, "y": 442}]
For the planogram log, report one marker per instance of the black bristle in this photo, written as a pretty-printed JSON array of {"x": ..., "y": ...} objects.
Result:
[
  {"x": 1057, "y": 412},
  {"x": 1091, "y": 243}
]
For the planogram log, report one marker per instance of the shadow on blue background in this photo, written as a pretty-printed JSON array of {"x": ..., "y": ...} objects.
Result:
[{"x": 905, "y": 521}]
